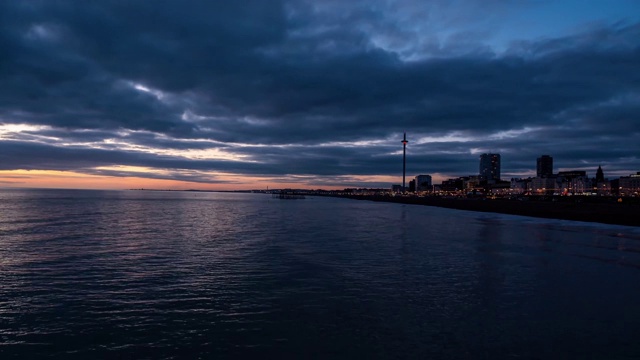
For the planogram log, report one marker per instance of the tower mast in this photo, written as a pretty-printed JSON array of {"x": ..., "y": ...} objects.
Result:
[{"x": 404, "y": 159}]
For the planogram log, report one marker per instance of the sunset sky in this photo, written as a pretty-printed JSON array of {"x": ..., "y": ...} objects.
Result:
[{"x": 312, "y": 94}]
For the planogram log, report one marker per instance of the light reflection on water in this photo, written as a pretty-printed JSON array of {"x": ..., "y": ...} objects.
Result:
[{"x": 187, "y": 275}]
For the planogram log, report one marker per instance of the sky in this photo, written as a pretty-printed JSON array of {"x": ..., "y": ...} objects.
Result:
[{"x": 250, "y": 94}]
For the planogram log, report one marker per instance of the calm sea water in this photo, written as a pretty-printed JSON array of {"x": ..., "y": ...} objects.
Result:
[{"x": 142, "y": 274}]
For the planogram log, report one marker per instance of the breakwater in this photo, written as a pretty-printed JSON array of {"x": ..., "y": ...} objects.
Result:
[{"x": 602, "y": 210}]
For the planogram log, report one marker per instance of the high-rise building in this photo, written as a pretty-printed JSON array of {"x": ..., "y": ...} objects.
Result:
[
  {"x": 423, "y": 182},
  {"x": 544, "y": 166},
  {"x": 490, "y": 167}
]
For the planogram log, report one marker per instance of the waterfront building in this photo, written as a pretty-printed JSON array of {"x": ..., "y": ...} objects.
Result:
[
  {"x": 412, "y": 185},
  {"x": 472, "y": 182},
  {"x": 544, "y": 166},
  {"x": 599, "y": 175},
  {"x": 615, "y": 186},
  {"x": 574, "y": 182},
  {"x": 520, "y": 186},
  {"x": 501, "y": 188},
  {"x": 423, "y": 183},
  {"x": 601, "y": 186},
  {"x": 364, "y": 191},
  {"x": 452, "y": 184},
  {"x": 490, "y": 167},
  {"x": 544, "y": 185},
  {"x": 629, "y": 185}
]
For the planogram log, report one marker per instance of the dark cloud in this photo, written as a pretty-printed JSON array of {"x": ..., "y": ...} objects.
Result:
[{"x": 287, "y": 85}]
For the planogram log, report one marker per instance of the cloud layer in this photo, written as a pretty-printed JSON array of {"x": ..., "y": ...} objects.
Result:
[{"x": 319, "y": 91}]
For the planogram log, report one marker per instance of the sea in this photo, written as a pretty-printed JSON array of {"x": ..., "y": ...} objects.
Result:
[{"x": 204, "y": 275}]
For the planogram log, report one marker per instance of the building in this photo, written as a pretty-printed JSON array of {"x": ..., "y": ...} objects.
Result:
[
  {"x": 423, "y": 182},
  {"x": 471, "y": 183},
  {"x": 544, "y": 185},
  {"x": 629, "y": 185},
  {"x": 520, "y": 186},
  {"x": 544, "y": 166},
  {"x": 599, "y": 175},
  {"x": 615, "y": 186},
  {"x": 501, "y": 188},
  {"x": 601, "y": 186},
  {"x": 490, "y": 167},
  {"x": 451, "y": 185},
  {"x": 412, "y": 185},
  {"x": 574, "y": 182}
]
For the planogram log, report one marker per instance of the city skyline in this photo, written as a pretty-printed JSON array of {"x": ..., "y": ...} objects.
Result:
[
  {"x": 543, "y": 167},
  {"x": 301, "y": 94}
]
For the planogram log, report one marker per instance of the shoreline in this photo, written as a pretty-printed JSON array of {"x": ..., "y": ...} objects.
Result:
[{"x": 605, "y": 212}]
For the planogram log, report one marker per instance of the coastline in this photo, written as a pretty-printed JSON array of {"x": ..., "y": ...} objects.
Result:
[{"x": 600, "y": 211}]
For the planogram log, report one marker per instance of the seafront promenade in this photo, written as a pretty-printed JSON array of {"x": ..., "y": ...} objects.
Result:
[{"x": 577, "y": 208}]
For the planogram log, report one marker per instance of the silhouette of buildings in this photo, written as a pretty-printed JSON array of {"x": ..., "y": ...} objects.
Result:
[
  {"x": 452, "y": 184},
  {"x": 544, "y": 166},
  {"x": 599, "y": 175},
  {"x": 422, "y": 183},
  {"x": 490, "y": 167},
  {"x": 412, "y": 185},
  {"x": 601, "y": 185},
  {"x": 573, "y": 182},
  {"x": 545, "y": 182}
]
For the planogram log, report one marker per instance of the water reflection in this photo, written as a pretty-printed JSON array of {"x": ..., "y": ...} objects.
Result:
[{"x": 157, "y": 275}]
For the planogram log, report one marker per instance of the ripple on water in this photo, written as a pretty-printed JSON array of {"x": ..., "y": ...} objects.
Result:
[{"x": 188, "y": 275}]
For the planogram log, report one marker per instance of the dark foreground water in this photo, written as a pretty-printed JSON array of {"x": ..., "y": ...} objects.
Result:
[{"x": 91, "y": 274}]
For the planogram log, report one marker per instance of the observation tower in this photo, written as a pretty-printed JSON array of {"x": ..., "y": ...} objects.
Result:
[{"x": 404, "y": 159}]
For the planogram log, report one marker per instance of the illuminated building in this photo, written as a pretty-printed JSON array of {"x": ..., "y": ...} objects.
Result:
[
  {"x": 544, "y": 185},
  {"x": 490, "y": 167},
  {"x": 629, "y": 185},
  {"x": 601, "y": 186},
  {"x": 574, "y": 182},
  {"x": 520, "y": 186}
]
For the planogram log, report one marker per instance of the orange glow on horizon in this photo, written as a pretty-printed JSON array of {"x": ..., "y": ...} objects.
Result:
[{"x": 75, "y": 180}]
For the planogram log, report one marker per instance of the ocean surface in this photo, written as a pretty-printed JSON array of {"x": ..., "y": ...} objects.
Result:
[{"x": 189, "y": 275}]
